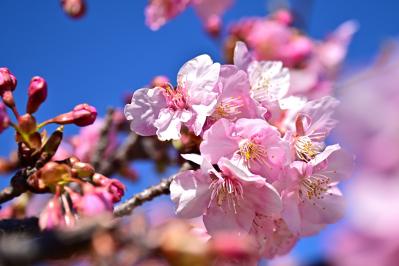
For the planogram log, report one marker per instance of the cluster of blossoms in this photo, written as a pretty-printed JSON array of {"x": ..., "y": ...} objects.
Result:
[
  {"x": 264, "y": 169},
  {"x": 374, "y": 191},
  {"x": 313, "y": 64},
  {"x": 158, "y": 12},
  {"x": 77, "y": 190}
]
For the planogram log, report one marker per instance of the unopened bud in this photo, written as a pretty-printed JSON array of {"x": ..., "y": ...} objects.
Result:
[
  {"x": 283, "y": 16},
  {"x": 113, "y": 186},
  {"x": 74, "y": 8},
  {"x": 27, "y": 124},
  {"x": 52, "y": 173},
  {"x": 8, "y": 82},
  {"x": 8, "y": 99},
  {"x": 37, "y": 93},
  {"x": 82, "y": 115},
  {"x": 81, "y": 169},
  {"x": 213, "y": 26}
]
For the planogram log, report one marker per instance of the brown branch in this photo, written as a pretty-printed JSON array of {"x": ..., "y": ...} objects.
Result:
[
  {"x": 104, "y": 139},
  {"x": 17, "y": 187},
  {"x": 53, "y": 244},
  {"x": 9, "y": 193},
  {"x": 148, "y": 194},
  {"x": 26, "y": 226}
]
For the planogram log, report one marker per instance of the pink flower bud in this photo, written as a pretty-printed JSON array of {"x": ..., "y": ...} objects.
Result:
[
  {"x": 81, "y": 169},
  {"x": 113, "y": 186},
  {"x": 82, "y": 115},
  {"x": 8, "y": 82},
  {"x": 27, "y": 124},
  {"x": 53, "y": 173},
  {"x": 37, "y": 93},
  {"x": 8, "y": 99},
  {"x": 283, "y": 16},
  {"x": 213, "y": 26},
  {"x": 94, "y": 201},
  {"x": 74, "y": 8}
]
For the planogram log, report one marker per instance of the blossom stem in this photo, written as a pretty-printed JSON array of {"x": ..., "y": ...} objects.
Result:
[{"x": 148, "y": 194}]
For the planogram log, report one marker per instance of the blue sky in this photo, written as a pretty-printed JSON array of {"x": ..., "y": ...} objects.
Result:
[{"x": 111, "y": 51}]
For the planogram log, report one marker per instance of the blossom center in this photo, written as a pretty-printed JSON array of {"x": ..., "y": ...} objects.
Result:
[
  {"x": 261, "y": 87},
  {"x": 228, "y": 108},
  {"x": 305, "y": 149},
  {"x": 315, "y": 186},
  {"x": 175, "y": 98},
  {"x": 228, "y": 189},
  {"x": 251, "y": 150}
]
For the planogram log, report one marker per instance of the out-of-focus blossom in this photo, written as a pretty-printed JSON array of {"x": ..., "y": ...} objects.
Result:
[
  {"x": 52, "y": 215},
  {"x": 371, "y": 235},
  {"x": 94, "y": 201},
  {"x": 84, "y": 143},
  {"x": 74, "y": 8},
  {"x": 158, "y": 12},
  {"x": 163, "y": 111},
  {"x": 313, "y": 64}
]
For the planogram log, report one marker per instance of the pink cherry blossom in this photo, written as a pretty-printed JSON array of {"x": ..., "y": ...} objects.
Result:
[
  {"x": 272, "y": 235},
  {"x": 269, "y": 80},
  {"x": 313, "y": 123},
  {"x": 164, "y": 110},
  {"x": 251, "y": 142},
  {"x": 159, "y": 12},
  {"x": 313, "y": 64},
  {"x": 231, "y": 196},
  {"x": 94, "y": 201},
  {"x": 311, "y": 197},
  {"x": 234, "y": 99}
]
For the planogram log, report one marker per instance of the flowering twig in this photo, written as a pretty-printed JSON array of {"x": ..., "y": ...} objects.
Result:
[
  {"x": 147, "y": 195},
  {"x": 104, "y": 139}
]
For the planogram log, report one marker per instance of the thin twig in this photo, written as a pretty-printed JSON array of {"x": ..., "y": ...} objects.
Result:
[
  {"x": 148, "y": 194},
  {"x": 104, "y": 139}
]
